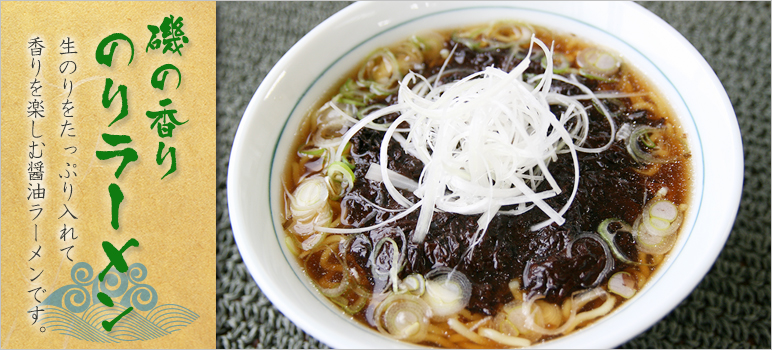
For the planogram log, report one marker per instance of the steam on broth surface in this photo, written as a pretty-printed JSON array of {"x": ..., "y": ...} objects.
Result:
[{"x": 492, "y": 186}]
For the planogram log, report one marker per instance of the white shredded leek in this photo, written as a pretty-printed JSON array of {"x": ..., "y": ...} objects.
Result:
[
  {"x": 400, "y": 181},
  {"x": 486, "y": 141}
]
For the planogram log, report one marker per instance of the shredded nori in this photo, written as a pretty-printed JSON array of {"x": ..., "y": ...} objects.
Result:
[{"x": 609, "y": 187}]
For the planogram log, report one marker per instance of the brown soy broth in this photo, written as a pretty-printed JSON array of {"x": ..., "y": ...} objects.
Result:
[{"x": 509, "y": 248}]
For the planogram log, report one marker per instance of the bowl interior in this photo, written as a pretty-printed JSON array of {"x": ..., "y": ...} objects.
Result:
[{"x": 296, "y": 84}]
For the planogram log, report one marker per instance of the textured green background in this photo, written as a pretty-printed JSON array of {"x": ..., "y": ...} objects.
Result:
[{"x": 730, "y": 308}]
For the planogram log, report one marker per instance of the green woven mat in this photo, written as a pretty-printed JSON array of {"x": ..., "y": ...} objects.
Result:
[{"x": 729, "y": 308}]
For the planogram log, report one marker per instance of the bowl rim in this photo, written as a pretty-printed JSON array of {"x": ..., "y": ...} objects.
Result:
[{"x": 275, "y": 75}]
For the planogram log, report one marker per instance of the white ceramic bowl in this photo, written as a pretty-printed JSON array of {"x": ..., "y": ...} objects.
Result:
[{"x": 320, "y": 59}]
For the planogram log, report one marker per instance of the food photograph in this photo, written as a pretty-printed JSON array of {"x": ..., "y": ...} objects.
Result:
[{"x": 493, "y": 174}]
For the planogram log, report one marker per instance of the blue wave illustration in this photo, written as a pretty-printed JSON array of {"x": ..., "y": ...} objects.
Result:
[{"x": 74, "y": 311}]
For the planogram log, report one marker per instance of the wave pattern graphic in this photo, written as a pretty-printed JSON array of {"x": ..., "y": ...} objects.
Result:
[{"x": 73, "y": 311}]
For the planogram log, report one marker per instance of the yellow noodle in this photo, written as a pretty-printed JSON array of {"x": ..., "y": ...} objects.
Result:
[
  {"x": 475, "y": 324},
  {"x": 325, "y": 258},
  {"x": 514, "y": 287},
  {"x": 567, "y": 306},
  {"x": 459, "y": 327},
  {"x": 434, "y": 329},
  {"x": 503, "y": 338},
  {"x": 295, "y": 173},
  {"x": 330, "y": 262},
  {"x": 465, "y": 313},
  {"x": 643, "y": 258},
  {"x": 650, "y": 170},
  {"x": 628, "y": 86},
  {"x": 592, "y": 314},
  {"x": 439, "y": 340},
  {"x": 304, "y": 254},
  {"x": 583, "y": 299},
  {"x": 457, "y": 338},
  {"x": 471, "y": 345},
  {"x": 644, "y": 105},
  {"x": 625, "y": 85},
  {"x": 325, "y": 282},
  {"x": 332, "y": 239},
  {"x": 640, "y": 278}
]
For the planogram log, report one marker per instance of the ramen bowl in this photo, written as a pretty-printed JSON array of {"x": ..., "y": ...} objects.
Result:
[{"x": 319, "y": 61}]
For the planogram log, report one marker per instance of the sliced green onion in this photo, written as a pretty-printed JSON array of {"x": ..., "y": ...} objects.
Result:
[
  {"x": 380, "y": 73},
  {"x": 447, "y": 291},
  {"x": 661, "y": 217},
  {"x": 409, "y": 56},
  {"x": 603, "y": 230},
  {"x": 560, "y": 63},
  {"x": 308, "y": 197},
  {"x": 330, "y": 283},
  {"x": 597, "y": 63},
  {"x": 341, "y": 178},
  {"x": 646, "y": 140},
  {"x": 622, "y": 284},
  {"x": 469, "y": 40},
  {"x": 346, "y": 148},
  {"x": 403, "y": 316},
  {"x": 609, "y": 257},
  {"x": 498, "y": 35},
  {"x": 641, "y": 134},
  {"x": 396, "y": 264},
  {"x": 583, "y": 72},
  {"x": 652, "y": 244},
  {"x": 377, "y": 251},
  {"x": 510, "y": 32},
  {"x": 345, "y": 161},
  {"x": 330, "y": 129},
  {"x": 352, "y": 99},
  {"x": 511, "y": 320},
  {"x": 341, "y": 172},
  {"x": 360, "y": 299},
  {"x": 414, "y": 284},
  {"x": 312, "y": 152},
  {"x": 309, "y": 206},
  {"x": 430, "y": 43},
  {"x": 597, "y": 106},
  {"x": 351, "y": 93},
  {"x": 655, "y": 228},
  {"x": 313, "y": 241},
  {"x": 290, "y": 242}
]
